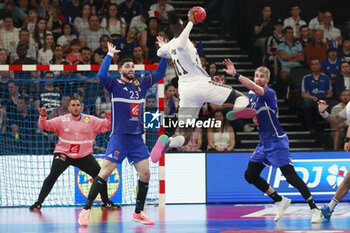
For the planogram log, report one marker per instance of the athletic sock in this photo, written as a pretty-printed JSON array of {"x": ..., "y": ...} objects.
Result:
[
  {"x": 275, "y": 197},
  {"x": 176, "y": 141},
  {"x": 94, "y": 190},
  {"x": 333, "y": 204},
  {"x": 312, "y": 204},
  {"x": 141, "y": 190}
]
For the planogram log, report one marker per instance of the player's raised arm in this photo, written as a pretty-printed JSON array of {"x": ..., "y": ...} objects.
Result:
[
  {"x": 102, "y": 73},
  {"x": 185, "y": 34},
  {"x": 160, "y": 71},
  {"x": 102, "y": 125},
  {"x": 163, "y": 51},
  {"x": 244, "y": 80},
  {"x": 334, "y": 119},
  {"x": 48, "y": 125}
]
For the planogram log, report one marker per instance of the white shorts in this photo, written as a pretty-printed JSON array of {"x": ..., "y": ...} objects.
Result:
[{"x": 194, "y": 95}]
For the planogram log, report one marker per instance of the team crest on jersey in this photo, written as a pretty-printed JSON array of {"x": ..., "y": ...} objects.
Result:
[
  {"x": 65, "y": 118},
  {"x": 173, "y": 51},
  {"x": 117, "y": 153},
  {"x": 136, "y": 82},
  {"x": 87, "y": 119},
  {"x": 135, "y": 110}
]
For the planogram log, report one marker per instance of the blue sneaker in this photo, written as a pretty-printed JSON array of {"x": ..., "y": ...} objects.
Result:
[{"x": 327, "y": 213}]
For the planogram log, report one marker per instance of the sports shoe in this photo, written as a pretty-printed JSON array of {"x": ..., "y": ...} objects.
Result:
[
  {"x": 84, "y": 217},
  {"x": 326, "y": 211},
  {"x": 281, "y": 207},
  {"x": 160, "y": 148},
  {"x": 110, "y": 205},
  {"x": 142, "y": 218},
  {"x": 244, "y": 113},
  {"x": 317, "y": 216},
  {"x": 35, "y": 207}
]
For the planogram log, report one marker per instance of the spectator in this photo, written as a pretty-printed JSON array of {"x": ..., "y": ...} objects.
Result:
[
  {"x": 139, "y": 22},
  {"x": 58, "y": 56},
  {"x": 344, "y": 52},
  {"x": 74, "y": 57},
  {"x": 204, "y": 62},
  {"x": 9, "y": 34},
  {"x": 162, "y": 8},
  {"x": 46, "y": 52},
  {"x": 24, "y": 6},
  {"x": 331, "y": 65},
  {"x": 171, "y": 102},
  {"x": 113, "y": 22},
  {"x": 3, "y": 117},
  {"x": 54, "y": 24},
  {"x": 343, "y": 81},
  {"x": 338, "y": 129},
  {"x": 101, "y": 52},
  {"x": 304, "y": 38},
  {"x": 21, "y": 52},
  {"x": 290, "y": 53},
  {"x": 40, "y": 32},
  {"x": 49, "y": 97},
  {"x": 330, "y": 32},
  {"x": 102, "y": 104},
  {"x": 3, "y": 56},
  {"x": 316, "y": 49},
  {"x": 149, "y": 37},
  {"x": 263, "y": 28},
  {"x": 314, "y": 87},
  {"x": 317, "y": 22},
  {"x": 73, "y": 9},
  {"x": 67, "y": 36},
  {"x": 294, "y": 21},
  {"x": 115, "y": 59},
  {"x": 130, "y": 9},
  {"x": 16, "y": 14},
  {"x": 127, "y": 43},
  {"x": 43, "y": 9},
  {"x": 86, "y": 55},
  {"x": 271, "y": 46},
  {"x": 212, "y": 71},
  {"x": 82, "y": 22},
  {"x": 139, "y": 57},
  {"x": 24, "y": 39},
  {"x": 90, "y": 36},
  {"x": 11, "y": 99},
  {"x": 30, "y": 21},
  {"x": 62, "y": 109},
  {"x": 223, "y": 138},
  {"x": 195, "y": 142},
  {"x": 151, "y": 103}
]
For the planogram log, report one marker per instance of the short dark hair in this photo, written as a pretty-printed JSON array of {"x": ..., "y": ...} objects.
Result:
[
  {"x": 75, "y": 42},
  {"x": 92, "y": 16},
  {"x": 168, "y": 86},
  {"x": 315, "y": 58},
  {"x": 103, "y": 37},
  {"x": 302, "y": 27},
  {"x": 287, "y": 28},
  {"x": 86, "y": 48},
  {"x": 123, "y": 61},
  {"x": 24, "y": 30},
  {"x": 74, "y": 98}
]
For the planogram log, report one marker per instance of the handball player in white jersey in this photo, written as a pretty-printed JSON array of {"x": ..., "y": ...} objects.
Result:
[{"x": 195, "y": 85}]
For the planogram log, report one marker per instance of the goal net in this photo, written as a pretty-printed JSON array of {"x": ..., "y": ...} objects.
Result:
[{"x": 26, "y": 151}]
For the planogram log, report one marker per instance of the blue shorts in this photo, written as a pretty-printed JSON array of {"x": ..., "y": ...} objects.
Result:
[
  {"x": 273, "y": 152},
  {"x": 126, "y": 145}
]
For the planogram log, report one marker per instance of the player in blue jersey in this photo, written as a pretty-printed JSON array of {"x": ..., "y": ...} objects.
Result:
[
  {"x": 273, "y": 148},
  {"x": 127, "y": 96}
]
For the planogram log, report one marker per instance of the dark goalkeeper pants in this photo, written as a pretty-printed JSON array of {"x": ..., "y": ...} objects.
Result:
[{"x": 60, "y": 163}]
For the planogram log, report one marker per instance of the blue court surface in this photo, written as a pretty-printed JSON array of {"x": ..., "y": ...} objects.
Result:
[{"x": 175, "y": 218}]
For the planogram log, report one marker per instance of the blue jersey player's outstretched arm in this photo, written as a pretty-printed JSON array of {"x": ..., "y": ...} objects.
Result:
[
  {"x": 102, "y": 74},
  {"x": 160, "y": 71}
]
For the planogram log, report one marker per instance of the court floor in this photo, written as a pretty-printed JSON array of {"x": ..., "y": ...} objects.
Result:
[{"x": 175, "y": 218}]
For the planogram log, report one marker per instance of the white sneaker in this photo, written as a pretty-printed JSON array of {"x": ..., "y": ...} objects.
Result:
[
  {"x": 317, "y": 216},
  {"x": 281, "y": 207}
]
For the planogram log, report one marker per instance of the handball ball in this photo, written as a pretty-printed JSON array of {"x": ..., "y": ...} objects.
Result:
[{"x": 199, "y": 14}]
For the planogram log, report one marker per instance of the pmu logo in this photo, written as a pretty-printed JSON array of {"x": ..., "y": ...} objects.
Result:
[
  {"x": 151, "y": 120},
  {"x": 84, "y": 182},
  {"x": 320, "y": 175}
]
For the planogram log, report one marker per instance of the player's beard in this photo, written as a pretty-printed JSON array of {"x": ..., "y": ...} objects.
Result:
[{"x": 128, "y": 76}]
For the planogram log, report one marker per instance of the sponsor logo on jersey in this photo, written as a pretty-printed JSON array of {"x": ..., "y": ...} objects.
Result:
[
  {"x": 66, "y": 130},
  {"x": 136, "y": 82},
  {"x": 74, "y": 148},
  {"x": 173, "y": 51},
  {"x": 87, "y": 119},
  {"x": 135, "y": 109},
  {"x": 65, "y": 118},
  {"x": 84, "y": 182}
]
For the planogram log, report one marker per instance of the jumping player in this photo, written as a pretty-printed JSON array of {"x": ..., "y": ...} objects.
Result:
[
  {"x": 128, "y": 97},
  {"x": 76, "y": 134},
  {"x": 195, "y": 85},
  {"x": 273, "y": 148},
  {"x": 344, "y": 187}
]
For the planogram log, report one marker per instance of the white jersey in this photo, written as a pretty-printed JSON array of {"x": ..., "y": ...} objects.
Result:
[{"x": 186, "y": 60}]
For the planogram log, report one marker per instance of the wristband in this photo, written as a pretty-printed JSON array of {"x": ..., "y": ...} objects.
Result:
[
  {"x": 324, "y": 115},
  {"x": 346, "y": 139},
  {"x": 110, "y": 54},
  {"x": 236, "y": 76}
]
